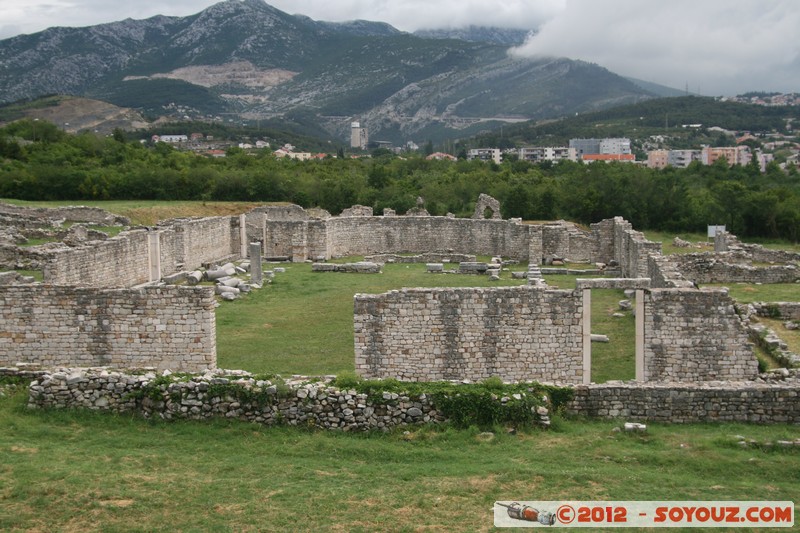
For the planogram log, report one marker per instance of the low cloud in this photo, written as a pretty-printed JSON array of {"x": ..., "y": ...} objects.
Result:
[
  {"x": 411, "y": 15},
  {"x": 715, "y": 46}
]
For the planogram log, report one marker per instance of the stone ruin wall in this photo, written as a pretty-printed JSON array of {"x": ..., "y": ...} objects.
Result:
[
  {"x": 367, "y": 235},
  {"x": 632, "y": 249},
  {"x": 141, "y": 256},
  {"x": 566, "y": 241},
  {"x": 291, "y": 233},
  {"x": 89, "y": 215},
  {"x": 522, "y": 333},
  {"x": 516, "y": 333},
  {"x": 198, "y": 241},
  {"x": 784, "y": 310},
  {"x": 731, "y": 267},
  {"x": 695, "y": 335},
  {"x": 752, "y": 402},
  {"x": 164, "y": 327},
  {"x": 118, "y": 262}
]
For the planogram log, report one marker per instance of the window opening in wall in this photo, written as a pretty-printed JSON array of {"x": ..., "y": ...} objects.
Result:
[
  {"x": 488, "y": 212},
  {"x": 613, "y": 319}
]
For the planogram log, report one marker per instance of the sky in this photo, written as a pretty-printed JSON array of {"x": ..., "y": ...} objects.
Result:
[{"x": 711, "y": 47}]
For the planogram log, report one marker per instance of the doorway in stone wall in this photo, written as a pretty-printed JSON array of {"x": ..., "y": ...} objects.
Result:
[{"x": 613, "y": 327}]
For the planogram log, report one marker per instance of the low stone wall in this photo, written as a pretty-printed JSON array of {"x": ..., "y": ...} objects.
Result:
[
  {"x": 431, "y": 257},
  {"x": 760, "y": 403},
  {"x": 238, "y": 395},
  {"x": 767, "y": 255},
  {"x": 168, "y": 327},
  {"x": 363, "y": 267},
  {"x": 515, "y": 333},
  {"x": 90, "y": 215},
  {"x": 664, "y": 273},
  {"x": 783, "y": 310},
  {"x": 727, "y": 267}
]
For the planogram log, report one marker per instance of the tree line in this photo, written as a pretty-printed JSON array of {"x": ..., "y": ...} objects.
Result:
[{"x": 40, "y": 162}]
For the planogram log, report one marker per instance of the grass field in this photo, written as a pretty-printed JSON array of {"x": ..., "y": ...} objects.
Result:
[
  {"x": 82, "y": 471},
  {"x": 303, "y": 322}
]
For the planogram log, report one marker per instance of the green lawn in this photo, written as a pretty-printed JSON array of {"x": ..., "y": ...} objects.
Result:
[
  {"x": 83, "y": 471},
  {"x": 303, "y": 322}
]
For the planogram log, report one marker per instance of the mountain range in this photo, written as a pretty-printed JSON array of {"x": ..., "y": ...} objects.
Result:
[{"x": 245, "y": 59}]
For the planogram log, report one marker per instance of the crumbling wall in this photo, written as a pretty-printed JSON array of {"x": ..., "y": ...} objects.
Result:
[
  {"x": 199, "y": 241},
  {"x": 615, "y": 240},
  {"x": 515, "y": 333},
  {"x": 166, "y": 327},
  {"x": 89, "y": 215},
  {"x": 486, "y": 202},
  {"x": 695, "y": 335},
  {"x": 732, "y": 267},
  {"x": 664, "y": 273},
  {"x": 783, "y": 310}
]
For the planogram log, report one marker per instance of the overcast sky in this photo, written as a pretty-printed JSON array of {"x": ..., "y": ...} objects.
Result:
[{"x": 717, "y": 47}]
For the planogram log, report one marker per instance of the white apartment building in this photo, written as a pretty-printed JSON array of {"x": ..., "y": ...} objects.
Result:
[
  {"x": 486, "y": 154},
  {"x": 537, "y": 154}
]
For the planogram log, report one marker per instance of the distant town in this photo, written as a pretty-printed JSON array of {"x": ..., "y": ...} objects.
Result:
[{"x": 745, "y": 147}]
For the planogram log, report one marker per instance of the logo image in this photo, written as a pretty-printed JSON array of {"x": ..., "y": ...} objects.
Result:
[{"x": 518, "y": 511}]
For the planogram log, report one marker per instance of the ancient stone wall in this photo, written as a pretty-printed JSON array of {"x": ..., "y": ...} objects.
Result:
[
  {"x": 167, "y": 327},
  {"x": 604, "y": 235},
  {"x": 687, "y": 403},
  {"x": 371, "y": 235},
  {"x": 783, "y": 310},
  {"x": 316, "y": 404},
  {"x": 664, "y": 273},
  {"x": 730, "y": 267},
  {"x": 564, "y": 240},
  {"x": 695, "y": 335},
  {"x": 430, "y": 257},
  {"x": 515, "y": 333},
  {"x": 141, "y": 256},
  {"x": 766, "y": 255},
  {"x": 118, "y": 262},
  {"x": 90, "y": 215},
  {"x": 198, "y": 241},
  {"x": 288, "y": 232},
  {"x": 632, "y": 249}
]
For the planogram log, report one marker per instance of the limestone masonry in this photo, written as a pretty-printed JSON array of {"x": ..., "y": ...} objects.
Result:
[
  {"x": 167, "y": 327},
  {"x": 439, "y": 334},
  {"x": 111, "y": 302}
]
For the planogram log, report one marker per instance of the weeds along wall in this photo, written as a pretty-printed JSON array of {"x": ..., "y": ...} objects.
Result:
[
  {"x": 240, "y": 395},
  {"x": 516, "y": 333},
  {"x": 695, "y": 335},
  {"x": 144, "y": 255},
  {"x": 162, "y": 327}
]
